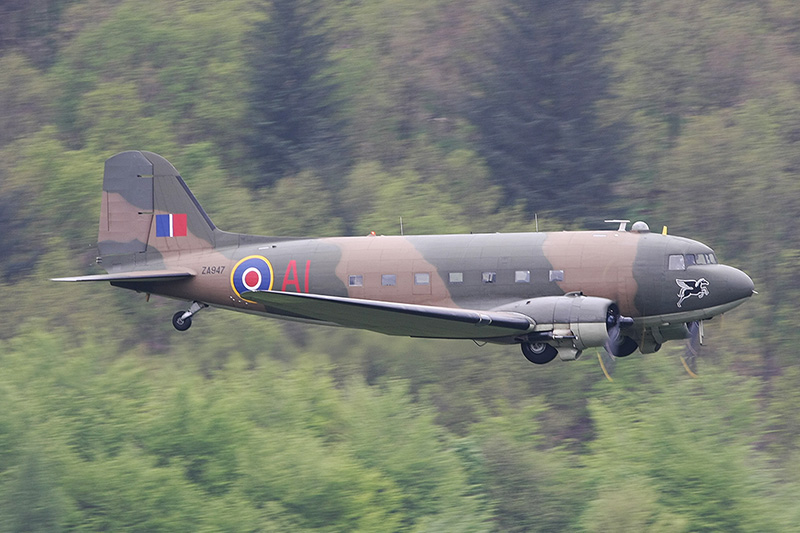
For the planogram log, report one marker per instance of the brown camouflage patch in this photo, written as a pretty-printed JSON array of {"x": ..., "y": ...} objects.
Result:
[{"x": 597, "y": 263}]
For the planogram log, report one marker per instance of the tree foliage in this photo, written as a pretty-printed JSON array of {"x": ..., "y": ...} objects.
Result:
[
  {"x": 534, "y": 106},
  {"x": 292, "y": 108}
]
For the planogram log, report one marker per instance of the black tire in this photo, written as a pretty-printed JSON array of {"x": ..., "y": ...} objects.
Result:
[
  {"x": 538, "y": 353},
  {"x": 626, "y": 347},
  {"x": 179, "y": 323}
]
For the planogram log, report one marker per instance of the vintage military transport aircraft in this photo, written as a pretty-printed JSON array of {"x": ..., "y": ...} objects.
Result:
[{"x": 554, "y": 294}]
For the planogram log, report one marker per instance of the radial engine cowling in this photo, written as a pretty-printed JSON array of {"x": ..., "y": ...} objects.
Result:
[{"x": 571, "y": 321}]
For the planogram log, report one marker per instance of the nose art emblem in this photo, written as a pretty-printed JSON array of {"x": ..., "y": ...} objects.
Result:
[{"x": 691, "y": 287}]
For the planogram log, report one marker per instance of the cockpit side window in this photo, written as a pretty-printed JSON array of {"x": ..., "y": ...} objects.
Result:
[
  {"x": 677, "y": 262},
  {"x": 683, "y": 261},
  {"x": 698, "y": 259}
]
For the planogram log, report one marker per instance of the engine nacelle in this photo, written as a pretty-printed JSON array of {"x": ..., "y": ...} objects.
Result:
[{"x": 571, "y": 323}]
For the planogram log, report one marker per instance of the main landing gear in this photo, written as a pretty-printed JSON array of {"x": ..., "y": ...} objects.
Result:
[
  {"x": 538, "y": 353},
  {"x": 182, "y": 320}
]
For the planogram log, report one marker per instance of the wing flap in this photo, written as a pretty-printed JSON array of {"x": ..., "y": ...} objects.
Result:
[
  {"x": 139, "y": 275},
  {"x": 396, "y": 318}
]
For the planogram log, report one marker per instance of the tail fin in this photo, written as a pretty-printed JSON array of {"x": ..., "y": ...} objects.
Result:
[{"x": 147, "y": 207}]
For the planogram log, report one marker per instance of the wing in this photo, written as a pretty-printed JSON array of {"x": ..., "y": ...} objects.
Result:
[
  {"x": 396, "y": 318},
  {"x": 141, "y": 275}
]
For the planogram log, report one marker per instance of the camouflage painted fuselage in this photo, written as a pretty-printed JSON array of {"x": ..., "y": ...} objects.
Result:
[
  {"x": 487, "y": 270},
  {"x": 151, "y": 224}
]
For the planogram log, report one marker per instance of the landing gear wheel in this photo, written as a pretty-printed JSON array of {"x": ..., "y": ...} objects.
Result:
[
  {"x": 181, "y": 324},
  {"x": 538, "y": 353},
  {"x": 626, "y": 347},
  {"x": 182, "y": 320}
]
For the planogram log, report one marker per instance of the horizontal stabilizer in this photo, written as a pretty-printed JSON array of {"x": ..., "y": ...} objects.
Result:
[
  {"x": 141, "y": 275},
  {"x": 396, "y": 318}
]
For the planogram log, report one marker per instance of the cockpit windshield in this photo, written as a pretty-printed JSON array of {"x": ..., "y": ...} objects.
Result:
[{"x": 681, "y": 261}]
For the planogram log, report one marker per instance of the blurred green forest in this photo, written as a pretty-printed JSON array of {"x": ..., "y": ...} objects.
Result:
[{"x": 313, "y": 117}]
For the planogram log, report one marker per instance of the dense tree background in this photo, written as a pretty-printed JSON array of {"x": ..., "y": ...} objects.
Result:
[
  {"x": 292, "y": 102},
  {"x": 329, "y": 118}
]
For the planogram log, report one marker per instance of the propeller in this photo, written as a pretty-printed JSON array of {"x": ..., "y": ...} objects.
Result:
[
  {"x": 693, "y": 343},
  {"x": 617, "y": 344}
]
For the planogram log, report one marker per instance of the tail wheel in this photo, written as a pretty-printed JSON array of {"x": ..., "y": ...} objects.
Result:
[
  {"x": 538, "y": 353},
  {"x": 180, "y": 323},
  {"x": 182, "y": 320}
]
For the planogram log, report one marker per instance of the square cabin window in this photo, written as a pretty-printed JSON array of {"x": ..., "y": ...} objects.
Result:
[
  {"x": 677, "y": 262},
  {"x": 522, "y": 276},
  {"x": 357, "y": 281},
  {"x": 422, "y": 278},
  {"x": 456, "y": 277},
  {"x": 489, "y": 277},
  {"x": 556, "y": 275},
  {"x": 389, "y": 280}
]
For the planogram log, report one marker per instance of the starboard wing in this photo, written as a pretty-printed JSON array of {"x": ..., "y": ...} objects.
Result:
[{"x": 396, "y": 318}]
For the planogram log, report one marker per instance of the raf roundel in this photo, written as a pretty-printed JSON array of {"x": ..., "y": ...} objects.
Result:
[
  {"x": 253, "y": 273},
  {"x": 251, "y": 279}
]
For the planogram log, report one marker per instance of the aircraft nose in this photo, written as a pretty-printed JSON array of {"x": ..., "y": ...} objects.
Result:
[{"x": 739, "y": 284}]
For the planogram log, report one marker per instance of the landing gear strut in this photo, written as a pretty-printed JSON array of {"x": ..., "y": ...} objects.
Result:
[{"x": 182, "y": 320}]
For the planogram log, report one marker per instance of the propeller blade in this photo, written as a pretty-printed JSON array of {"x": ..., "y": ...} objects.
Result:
[
  {"x": 614, "y": 334},
  {"x": 693, "y": 343},
  {"x": 617, "y": 344},
  {"x": 607, "y": 362}
]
